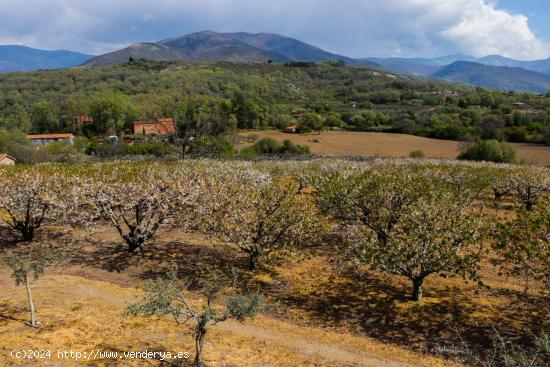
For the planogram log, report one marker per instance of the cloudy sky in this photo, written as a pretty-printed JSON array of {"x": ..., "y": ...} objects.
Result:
[{"x": 357, "y": 28}]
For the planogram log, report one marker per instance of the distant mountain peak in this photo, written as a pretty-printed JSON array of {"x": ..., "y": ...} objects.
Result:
[
  {"x": 24, "y": 58},
  {"x": 498, "y": 77},
  {"x": 237, "y": 46}
]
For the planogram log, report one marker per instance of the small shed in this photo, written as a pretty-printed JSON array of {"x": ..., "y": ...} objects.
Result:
[
  {"x": 518, "y": 105},
  {"x": 7, "y": 160}
]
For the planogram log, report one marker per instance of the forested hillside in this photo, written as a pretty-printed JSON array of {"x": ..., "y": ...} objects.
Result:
[{"x": 262, "y": 95}]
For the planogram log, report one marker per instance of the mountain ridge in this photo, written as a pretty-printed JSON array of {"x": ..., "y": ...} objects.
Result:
[
  {"x": 213, "y": 46},
  {"x": 498, "y": 77},
  {"x": 540, "y": 66},
  {"x": 23, "y": 58},
  {"x": 497, "y": 72}
]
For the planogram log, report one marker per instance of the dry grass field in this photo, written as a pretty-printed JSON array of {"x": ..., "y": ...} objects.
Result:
[
  {"x": 316, "y": 316},
  {"x": 363, "y": 144}
]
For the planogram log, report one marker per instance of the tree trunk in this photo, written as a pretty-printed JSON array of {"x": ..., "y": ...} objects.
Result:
[
  {"x": 253, "y": 260},
  {"x": 199, "y": 342},
  {"x": 31, "y": 304},
  {"x": 27, "y": 233},
  {"x": 417, "y": 289},
  {"x": 133, "y": 244}
]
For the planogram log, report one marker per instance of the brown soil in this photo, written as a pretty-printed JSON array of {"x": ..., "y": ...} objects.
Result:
[{"x": 345, "y": 143}]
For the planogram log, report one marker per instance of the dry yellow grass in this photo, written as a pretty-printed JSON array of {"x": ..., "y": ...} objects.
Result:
[
  {"x": 363, "y": 144},
  {"x": 316, "y": 316},
  {"x": 79, "y": 314}
]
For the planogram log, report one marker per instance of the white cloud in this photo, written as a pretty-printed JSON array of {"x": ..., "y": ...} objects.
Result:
[
  {"x": 484, "y": 30},
  {"x": 353, "y": 27}
]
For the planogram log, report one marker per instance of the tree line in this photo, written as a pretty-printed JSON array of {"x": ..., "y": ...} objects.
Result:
[{"x": 258, "y": 96}]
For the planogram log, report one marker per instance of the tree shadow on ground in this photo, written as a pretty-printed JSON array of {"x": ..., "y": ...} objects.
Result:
[
  {"x": 154, "y": 260},
  {"x": 10, "y": 238},
  {"x": 381, "y": 309},
  {"x": 7, "y": 312}
]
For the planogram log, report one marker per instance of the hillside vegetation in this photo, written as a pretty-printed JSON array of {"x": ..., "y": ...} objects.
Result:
[{"x": 257, "y": 96}]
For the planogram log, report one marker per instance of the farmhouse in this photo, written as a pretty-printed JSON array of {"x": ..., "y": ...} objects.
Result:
[
  {"x": 80, "y": 120},
  {"x": 161, "y": 127},
  {"x": 6, "y": 160},
  {"x": 292, "y": 129},
  {"x": 45, "y": 139},
  {"x": 518, "y": 105}
]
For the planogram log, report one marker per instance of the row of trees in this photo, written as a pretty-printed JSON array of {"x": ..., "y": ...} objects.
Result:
[{"x": 409, "y": 219}]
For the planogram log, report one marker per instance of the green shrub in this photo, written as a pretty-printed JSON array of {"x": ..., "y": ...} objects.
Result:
[
  {"x": 516, "y": 134},
  {"x": 60, "y": 152},
  {"x": 546, "y": 136},
  {"x": 26, "y": 154},
  {"x": 212, "y": 146},
  {"x": 107, "y": 150},
  {"x": 81, "y": 144},
  {"x": 271, "y": 146},
  {"x": 248, "y": 153},
  {"x": 490, "y": 151},
  {"x": 418, "y": 153},
  {"x": 156, "y": 149},
  {"x": 289, "y": 147},
  {"x": 267, "y": 146},
  {"x": 311, "y": 122}
]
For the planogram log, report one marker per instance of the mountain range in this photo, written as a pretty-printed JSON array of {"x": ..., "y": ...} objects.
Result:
[
  {"x": 236, "y": 47},
  {"x": 491, "y": 71},
  {"x": 497, "y": 77},
  {"x": 22, "y": 58}
]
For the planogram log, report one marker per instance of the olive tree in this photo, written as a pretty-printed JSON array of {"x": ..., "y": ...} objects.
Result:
[
  {"x": 261, "y": 215},
  {"x": 405, "y": 223},
  {"x": 221, "y": 302},
  {"x": 31, "y": 263}
]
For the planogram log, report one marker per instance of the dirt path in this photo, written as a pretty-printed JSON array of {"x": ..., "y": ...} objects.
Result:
[
  {"x": 302, "y": 346},
  {"x": 61, "y": 291}
]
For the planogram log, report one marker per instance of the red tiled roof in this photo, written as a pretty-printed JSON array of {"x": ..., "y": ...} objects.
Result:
[
  {"x": 51, "y": 136},
  {"x": 166, "y": 120},
  {"x": 164, "y": 126},
  {"x": 4, "y": 156},
  {"x": 83, "y": 118}
]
